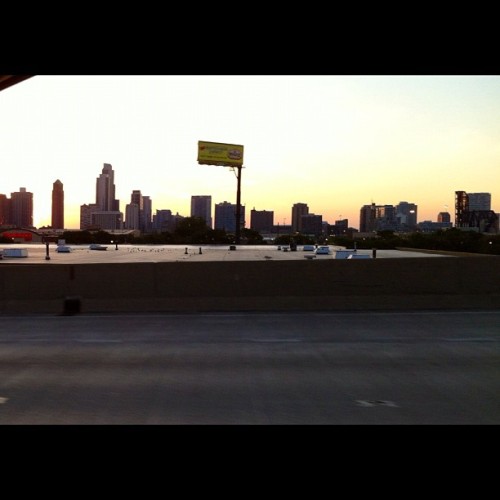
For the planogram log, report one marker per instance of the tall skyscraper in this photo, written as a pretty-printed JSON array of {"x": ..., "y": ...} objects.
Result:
[
  {"x": 57, "y": 205},
  {"x": 147, "y": 214},
  {"x": 22, "y": 208},
  {"x": 105, "y": 190},
  {"x": 201, "y": 206},
  {"x": 298, "y": 210},
  {"x": 105, "y": 213}
]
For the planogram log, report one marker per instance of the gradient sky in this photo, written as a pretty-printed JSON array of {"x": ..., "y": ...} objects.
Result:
[{"x": 334, "y": 142}]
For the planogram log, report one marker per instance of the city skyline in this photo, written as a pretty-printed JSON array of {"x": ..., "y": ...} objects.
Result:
[
  {"x": 112, "y": 208},
  {"x": 334, "y": 142}
]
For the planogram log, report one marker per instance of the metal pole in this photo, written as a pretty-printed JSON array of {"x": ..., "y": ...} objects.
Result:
[{"x": 238, "y": 208}]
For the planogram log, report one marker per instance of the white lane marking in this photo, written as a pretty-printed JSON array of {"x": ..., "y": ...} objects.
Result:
[
  {"x": 470, "y": 339},
  {"x": 378, "y": 402},
  {"x": 275, "y": 340},
  {"x": 100, "y": 341},
  {"x": 3, "y": 400}
]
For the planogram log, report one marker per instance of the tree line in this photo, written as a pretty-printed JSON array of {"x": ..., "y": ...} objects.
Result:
[{"x": 193, "y": 230}]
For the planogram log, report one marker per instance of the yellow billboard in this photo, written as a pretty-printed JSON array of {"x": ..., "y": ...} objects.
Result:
[{"x": 216, "y": 153}]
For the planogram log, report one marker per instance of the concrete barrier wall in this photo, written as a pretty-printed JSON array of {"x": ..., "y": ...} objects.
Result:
[{"x": 406, "y": 283}]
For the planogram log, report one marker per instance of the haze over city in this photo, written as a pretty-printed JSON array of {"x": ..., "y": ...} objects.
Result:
[{"x": 335, "y": 143}]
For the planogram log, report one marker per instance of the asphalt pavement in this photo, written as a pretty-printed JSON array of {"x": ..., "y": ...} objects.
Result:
[{"x": 330, "y": 368}]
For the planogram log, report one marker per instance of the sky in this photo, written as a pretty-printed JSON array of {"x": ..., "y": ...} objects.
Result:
[{"x": 334, "y": 142}]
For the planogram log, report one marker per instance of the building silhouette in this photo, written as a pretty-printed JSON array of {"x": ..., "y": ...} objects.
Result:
[
  {"x": 4, "y": 210},
  {"x": 57, "y": 205},
  {"x": 201, "y": 206},
  {"x": 131, "y": 216},
  {"x": 105, "y": 213},
  {"x": 298, "y": 210},
  {"x": 225, "y": 217},
  {"x": 481, "y": 219},
  {"x": 163, "y": 221},
  {"x": 105, "y": 190},
  {"x": 367, "y": 218},
  {"x": 401, "y": 218},
  {"x": 147, "y": 214},
  {"x": 406, "y": 216},
  {"x": 21, "y": 208},
  {"x": 311, "y": 224},
  {"x": 444, "y": 217},
  {"x": 262, "y": 220},
  {"x": 479, "y": 201}
]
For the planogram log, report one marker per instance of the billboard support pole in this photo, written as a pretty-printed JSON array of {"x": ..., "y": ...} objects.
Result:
[
  {"x": 226, "y": 155},
  {"x": 238, "y": 207}
]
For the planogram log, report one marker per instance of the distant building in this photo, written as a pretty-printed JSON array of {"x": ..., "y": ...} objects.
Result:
[
  {"x": 201, "y": 206},
  {"x": 163, "y": 221},
  {"x": 400, "y": 218},
  {"x": 339, "y": 228},
  {"x": 428, "y": 226},
  {"x": 311, "y": 225},
  {"x": 262, "y": 220},
  {"x": 57, "y": 205},
  {"x": 93, "y": 215},
  {"x": 105, "y": 190},
  {"x": 479, "y": 201},
  {"x": 147, "y": 214},
  {"x": 132, "y": 211},
  {"x": 368, "y": 218},
  {"x": 444, "y": 217},
  {"x": 4, "y": 210},
  {"x": 225, "y": 217},
  {"x": 86, "y": 212},
  {"x": 481, "y": 220},
  {"x": 108, "y": 219},
  {"x": 21, "y": 210},
  {"x": 406, "y": 216},
  {"x": 298, "y": 210}
]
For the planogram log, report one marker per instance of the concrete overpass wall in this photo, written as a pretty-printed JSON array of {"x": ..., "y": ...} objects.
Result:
[{"x": 385, "y": 284}]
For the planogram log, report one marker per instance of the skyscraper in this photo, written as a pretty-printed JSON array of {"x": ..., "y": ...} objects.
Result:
[
  {"x": 201, "y": 206},
  {"x": 367, "y": 218},
  {"x": 461, "y": 208},
  {"x": 298, "y": 210},
  {"x": 105, "y": 190},
  {"x": 22, "y": 208},
  {"x": 147, "y": 214},
  {"x": 105, "y": 213},
  {"x": 57, "y": 205}
]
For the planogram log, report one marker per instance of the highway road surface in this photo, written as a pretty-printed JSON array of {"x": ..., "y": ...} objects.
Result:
[{"x": 333, "y": 368}]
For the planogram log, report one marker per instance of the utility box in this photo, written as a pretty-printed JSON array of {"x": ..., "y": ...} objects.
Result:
[{"x": 15, "y": 252}]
